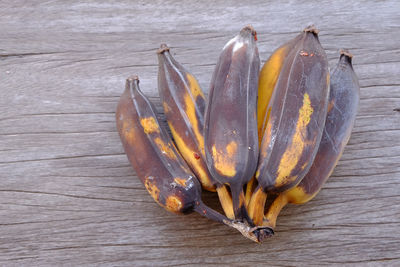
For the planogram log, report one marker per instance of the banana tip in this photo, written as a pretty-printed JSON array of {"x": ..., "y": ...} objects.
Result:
[
  {"x": 311, "y": 28},
  {"x": 249, "y": 28},
  {"x": 132, "y": 78},
  {"x": 132, "y": 83},
  {"x": 346, "y": 52},
  {"x": 163, "y": 48}
]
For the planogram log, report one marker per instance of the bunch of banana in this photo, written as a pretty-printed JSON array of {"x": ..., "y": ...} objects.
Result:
[
  {"x": 283, "y": 145},
  {"x": 158, "y": 164}
]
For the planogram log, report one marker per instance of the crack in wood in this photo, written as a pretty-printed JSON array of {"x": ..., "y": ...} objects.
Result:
[
  {"x": 64, "y": 195},
  {"x": 30, "y": 54}
]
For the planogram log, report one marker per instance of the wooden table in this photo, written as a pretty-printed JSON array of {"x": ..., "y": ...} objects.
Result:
[{"x": 68, "y": 195}]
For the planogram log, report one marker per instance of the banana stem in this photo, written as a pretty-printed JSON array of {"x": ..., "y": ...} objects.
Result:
[
  {"x": 273, "y": 211},
  {"x": 249, "y": 231},
  {"x": 257, "y": 205},
  {"x": 209, "y": 213},
  {"x": 239, "y": 207},
  {"x": 226, "y": 201}
]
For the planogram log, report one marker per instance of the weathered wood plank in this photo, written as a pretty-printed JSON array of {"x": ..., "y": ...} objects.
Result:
[{"x": 67, "y": 192}]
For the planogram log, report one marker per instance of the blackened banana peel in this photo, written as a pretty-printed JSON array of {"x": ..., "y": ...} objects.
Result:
[
  {"x": 342, "y": 110},
  {"x": 296, "y": 114},
  {"x": 230, "y": 131}
]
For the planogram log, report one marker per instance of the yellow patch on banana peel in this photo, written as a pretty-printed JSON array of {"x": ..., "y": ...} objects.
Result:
[
  {"x": 166, "y": 107},
  {"x": 180, "y": 181},
  {"x": 293, "y": 153},
  {"x": 165, "y": 148},
  {"x": 192, "y": 160},
  {"x": 297, "y": 195},
  {"x": 266, "y": 140},
  {"x": 152, "y": 188},
  {"x": 194, "y": 86},
  {"x": 268, "y": 77},
  {"x": 128, "y": 130},
  {"x": 173, "y": 203},
  {"x": 149, "y": 125},
  {"x": 225, "y": 163},
  {"x": 191, "y": 114}
]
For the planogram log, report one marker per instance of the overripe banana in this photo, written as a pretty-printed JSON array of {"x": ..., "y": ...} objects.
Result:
[
  {"x": 269, "y": 75},
  {"x": 154, "y": 157},
  {"x": 184, "y": 103},
  {"x": 342, "y": 110},
  {"x": 230, "y": 132},
  {"x": 297, "y": 110},
  {"x": 156, "y": 161}
]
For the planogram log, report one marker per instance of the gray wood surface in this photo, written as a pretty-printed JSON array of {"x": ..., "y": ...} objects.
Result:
[{"x": 68, "y": 195}]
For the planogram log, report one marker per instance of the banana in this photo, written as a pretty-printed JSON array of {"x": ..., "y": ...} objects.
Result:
[
  {"x": 342, "y": 109},
  {"x": 269, "y": 75},
  {"x": 230, "y": 129},
  {"x": 297, "y": 111},
  {"x": 184, "y": 103},
  {"x": 158, "y": 164},
  {"x": 154, "y": 157}
]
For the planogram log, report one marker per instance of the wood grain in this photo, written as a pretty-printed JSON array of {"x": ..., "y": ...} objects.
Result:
[{"x": 68, "y": 195}]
